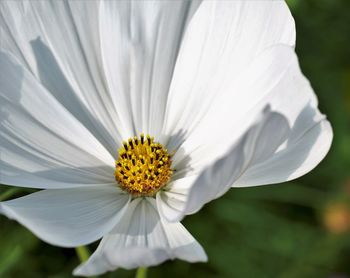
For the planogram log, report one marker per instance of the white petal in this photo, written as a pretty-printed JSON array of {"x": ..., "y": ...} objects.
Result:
[
  {"x": 308, "y": 143},
  {"x": 69, "y": 217},
  {"x": 255, "y": 158},
  {"x": 221, "y": 41},
  {"x": 142, "y": 238},
  {"x": 296, "y": 144},
  {"x": 275, "y": 79},
  {"x": 140, "y": 42},
  {"x": 269, "y": 139},
  {"x": 40, "y": 140},
  {"x": 172, "y": 200},
  {"x": 59, "y": 42},
  {"x": 288, "y": 92},
  {"x": 216, "y": 179}
]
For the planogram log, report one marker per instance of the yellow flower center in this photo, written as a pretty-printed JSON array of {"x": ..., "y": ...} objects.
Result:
[{"x": 143, "y": 166}]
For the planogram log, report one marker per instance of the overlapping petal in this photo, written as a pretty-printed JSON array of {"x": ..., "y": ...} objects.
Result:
[
  {"x": 69, "y": 217},
  {"x": 221, "y": 41},
  {"x": 172, "y": 200},
  {"x": 61, "y": 45},
  {"x": 42, "y": 144},
  {"x": 215, "y": 180},
  {"x": 84, "y": 75},
  {"x": 142, "y": 238},
  {"x": 59, "y": 42},
  {"x": 308, "y": 143},
  {"x": 291, "y": 147}
]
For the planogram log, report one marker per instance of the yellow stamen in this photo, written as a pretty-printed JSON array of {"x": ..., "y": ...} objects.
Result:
[{"x": 143, "y": 166}]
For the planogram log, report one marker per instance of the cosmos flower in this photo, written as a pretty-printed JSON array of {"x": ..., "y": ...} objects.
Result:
[{"x": 130, "y": 115}]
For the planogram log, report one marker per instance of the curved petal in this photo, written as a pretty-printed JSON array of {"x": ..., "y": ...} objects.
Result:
[
  {"x": 261, "y": 140},
  {"x": 40, "y": 138},
  {"x": 172, "y": 200},
  {"x": 142, "y": 238},
  {"x": 139, "y": 43},
  {"x": 275, "y": 79},
  {"x": 281, "y": 146},
  {"x": 308, "y": 142},
  {"x": 69, "y": 217},
  {"x": 221, "y": 41},
  {"x": 59, "y": 42},
  {"x": 268, "y": 140}
]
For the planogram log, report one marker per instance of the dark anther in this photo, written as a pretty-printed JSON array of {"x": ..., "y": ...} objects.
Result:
[
  {"x": 131, "y": 144},
  {"x": 125, "y": 146}
]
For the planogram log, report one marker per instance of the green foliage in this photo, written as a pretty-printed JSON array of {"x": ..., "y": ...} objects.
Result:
[{"x": 269, "y": 231}]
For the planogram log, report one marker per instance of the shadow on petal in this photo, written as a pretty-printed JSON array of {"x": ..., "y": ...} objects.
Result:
[
  {"x": 268, "y": 152},
  {"x": 52, "y": 77},
  {"x": 288, "y": 161},
  {"x": 13, "y": 87}
]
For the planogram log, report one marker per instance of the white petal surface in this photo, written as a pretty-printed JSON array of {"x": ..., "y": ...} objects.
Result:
[
  {"x": 59, "y": 42},
  {"x": 262, "y": 139},
  {"x": 283, "y": 145},
  {"x": 42, "y": 144},
  {"x": 221, "y": 41},
  {"x": 142, "y": 238},
  {"x": 69, "y": 217},
  {"x": 308, "y": 143},
  {"x": 172, "y": 200},
  {"x": 273, "y": 79},
  {"x": 139, "y": 43}
]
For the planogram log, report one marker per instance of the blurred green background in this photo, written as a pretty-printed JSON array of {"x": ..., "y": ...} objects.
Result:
[{"x": 293, "y": 230}]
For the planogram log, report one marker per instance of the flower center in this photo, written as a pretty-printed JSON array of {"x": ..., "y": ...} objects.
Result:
[{"x": 143, "y": 166}]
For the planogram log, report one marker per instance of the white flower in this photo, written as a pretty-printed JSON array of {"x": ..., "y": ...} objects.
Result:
[{"x": 217, "y": 84}]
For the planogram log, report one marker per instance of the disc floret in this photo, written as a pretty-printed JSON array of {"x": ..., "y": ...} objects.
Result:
[{"x": 143, "y": 166}]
